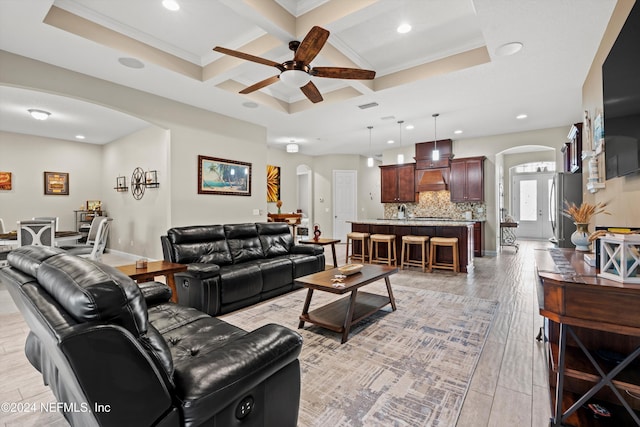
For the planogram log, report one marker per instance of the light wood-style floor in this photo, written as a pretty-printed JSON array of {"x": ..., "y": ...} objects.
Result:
[{"x": 509, "y": 387}]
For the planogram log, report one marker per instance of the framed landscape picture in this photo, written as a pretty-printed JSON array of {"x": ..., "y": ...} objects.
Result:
[
  {"x": 56, "y": 183},
  {"x": 220, "y": 176},
  {"x": 5, "y": 180}
]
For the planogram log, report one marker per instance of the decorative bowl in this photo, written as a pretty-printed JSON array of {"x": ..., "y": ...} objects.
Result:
[{"x": 350, "y": 269}]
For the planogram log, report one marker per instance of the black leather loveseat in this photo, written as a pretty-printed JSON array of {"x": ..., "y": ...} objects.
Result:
[
  {"x": 101, "y": 341},
  {"x": 235, "y": 265}
]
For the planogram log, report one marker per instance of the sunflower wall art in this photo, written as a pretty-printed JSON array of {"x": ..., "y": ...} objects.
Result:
[{"x": 273, "y": 183}]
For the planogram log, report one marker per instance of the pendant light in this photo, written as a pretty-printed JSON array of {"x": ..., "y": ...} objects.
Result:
[
  {"x": 435, "y": 154},
  {"x": 370, "y": 159},
  {"x": 400, "y": 159}
]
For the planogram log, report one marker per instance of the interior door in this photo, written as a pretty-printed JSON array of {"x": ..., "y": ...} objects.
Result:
[
  {"x": 344, "y": 202},
  {"x": 530, "y": 204}
]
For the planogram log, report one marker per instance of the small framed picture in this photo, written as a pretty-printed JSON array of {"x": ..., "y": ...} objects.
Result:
[
  {"x": 56, "y": 183},
  {"x": 94, "y": 205},
  {"x": 5, "y": 180}
]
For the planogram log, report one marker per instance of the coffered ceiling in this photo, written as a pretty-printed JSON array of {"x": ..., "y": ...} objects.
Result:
[{"x": 448, "y": 63}]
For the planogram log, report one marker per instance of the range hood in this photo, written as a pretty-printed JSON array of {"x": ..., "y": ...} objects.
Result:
[{"x": 432, "y": 179}]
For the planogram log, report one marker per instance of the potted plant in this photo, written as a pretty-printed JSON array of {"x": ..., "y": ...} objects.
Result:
[{"x": 581, "y": 216}]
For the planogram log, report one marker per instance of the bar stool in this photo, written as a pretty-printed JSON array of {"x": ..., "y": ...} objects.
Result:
[
  {"x": 374, "y": 242},
  {"x": 405, "y": 256},
  {"x": 355, "y": 236},
  {"x": 451, "y": 242}
]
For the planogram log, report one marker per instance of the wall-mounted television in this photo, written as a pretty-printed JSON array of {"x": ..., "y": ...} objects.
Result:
[{"x": 621, "y": 95}]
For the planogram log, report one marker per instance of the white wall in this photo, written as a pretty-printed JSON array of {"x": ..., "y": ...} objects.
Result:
[
  {"x": 192, "y": 132},
  {"x": 27, "y": 158},
  {"x": 137, "y": 224}
]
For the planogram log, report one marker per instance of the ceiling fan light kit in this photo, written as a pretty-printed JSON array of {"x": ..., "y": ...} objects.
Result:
[
  {"x": 295, "y": 78},
  {"x": 292, "y": 148},
  {"x": 297, "y": 73}
]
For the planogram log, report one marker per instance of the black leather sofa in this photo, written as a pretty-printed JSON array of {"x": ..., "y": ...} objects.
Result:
[
  {"x": 119, "y": 354},
  {"x": 236, "y": 265}
]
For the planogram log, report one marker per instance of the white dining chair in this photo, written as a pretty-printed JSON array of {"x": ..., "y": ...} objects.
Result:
[
  {"x": 48, "y": 218},
  {"x": 96, "y": 240},
  {"x": 39, "y": 233}
]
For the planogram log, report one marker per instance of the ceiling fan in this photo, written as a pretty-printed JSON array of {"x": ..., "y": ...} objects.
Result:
[{"x": 298, "y": 72}]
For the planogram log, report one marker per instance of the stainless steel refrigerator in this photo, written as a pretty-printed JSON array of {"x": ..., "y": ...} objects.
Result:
[{"x": 565, "y": 186}]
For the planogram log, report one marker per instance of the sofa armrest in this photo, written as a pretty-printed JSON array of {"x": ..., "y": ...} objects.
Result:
[
  {"x": 307, "y": 249},
  {"x": 155, "y": 292},
  {"x": 112, "y": 367},
  {"x": 203, "y": 270},
  {"x": 213, "y": 380}
]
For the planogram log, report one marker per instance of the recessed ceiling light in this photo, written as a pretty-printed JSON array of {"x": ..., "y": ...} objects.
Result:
[
  {"x": 408, "y": 127},
  {"x": 508, "y": 49},
  {"x": 457, "y": 132},
  {"x": 80, "y": 136},
  {"x": 39, "y": 114},
  {"x": 131, "y": 62},
  {"x": 403, "y": 28},
  {"x": 521, "y": 116},
  {"x": 171, "y": 5},
  {"x": 250, "y": 104},
  {"x": 391, "y": 141}
]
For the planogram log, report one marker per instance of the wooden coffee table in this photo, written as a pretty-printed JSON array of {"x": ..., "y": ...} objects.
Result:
[
  {"x": 153, "y": 269},
  {"x": 340, "y": 315}
]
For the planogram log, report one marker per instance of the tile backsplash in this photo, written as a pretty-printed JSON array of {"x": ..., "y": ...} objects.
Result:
[{"x": 437, "y": 204}]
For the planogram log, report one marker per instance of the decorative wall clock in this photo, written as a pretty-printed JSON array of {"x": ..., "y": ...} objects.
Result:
[{"x": 137, "y": 183}]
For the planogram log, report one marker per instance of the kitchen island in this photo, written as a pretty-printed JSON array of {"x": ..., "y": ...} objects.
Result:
[{"x": 461, "y": 229}]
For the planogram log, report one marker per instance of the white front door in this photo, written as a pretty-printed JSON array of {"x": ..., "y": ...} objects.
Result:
[
  {"x": 344, "y": 202},
  {"x": 530, "y": 204}
]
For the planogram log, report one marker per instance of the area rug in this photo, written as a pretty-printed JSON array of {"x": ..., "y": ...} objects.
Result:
[{"x": 410, "y": 367}]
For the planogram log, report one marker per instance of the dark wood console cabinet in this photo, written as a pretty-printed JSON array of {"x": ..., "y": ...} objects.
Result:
[
  {"x": 397, "y": 183},
  {"x": 467, "y": 179},
  {"x": 591, "y": 324}
]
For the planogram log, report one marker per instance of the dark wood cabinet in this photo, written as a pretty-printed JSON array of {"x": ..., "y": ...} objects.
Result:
[
  {"x": 575, "y": 142},
  {"x": 464, "y": 233},
  {"x": 467, "y": 179},
  {"x": 397, "y": 183},
  {"x": 478, "y": 242},
  {"x": 566, "y": 156},
  {"x": 425, "y": 149}
]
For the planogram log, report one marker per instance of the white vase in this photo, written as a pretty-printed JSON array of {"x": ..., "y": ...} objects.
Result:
[{"x": 580, "y": 237}]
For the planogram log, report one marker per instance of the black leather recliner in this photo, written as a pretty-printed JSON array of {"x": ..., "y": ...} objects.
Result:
[
  {"x": 236, "y": 265},
  {"x": 101, "y": 341}
]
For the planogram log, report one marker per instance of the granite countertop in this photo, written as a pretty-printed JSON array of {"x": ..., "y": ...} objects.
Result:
[{"x": 416, "y": 222}]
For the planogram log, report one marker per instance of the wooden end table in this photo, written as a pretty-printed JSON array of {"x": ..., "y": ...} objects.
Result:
[
  {"x": 340, "y": 315},
  {"x": 323, "y": 242},
  {"x": 153, "y": 269}
]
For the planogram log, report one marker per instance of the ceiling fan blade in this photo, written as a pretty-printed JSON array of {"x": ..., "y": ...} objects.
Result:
[
  {"x": 248, "y": 57},
  {"x": 343, "y": 73},
  {"x": 260, "y": 85},
  {"x": 311, "y": 45},
  {"x": 311, "y": 91}
]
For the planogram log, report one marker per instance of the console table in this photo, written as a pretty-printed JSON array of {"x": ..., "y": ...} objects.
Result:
[{"x": 592, "y": 330}]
